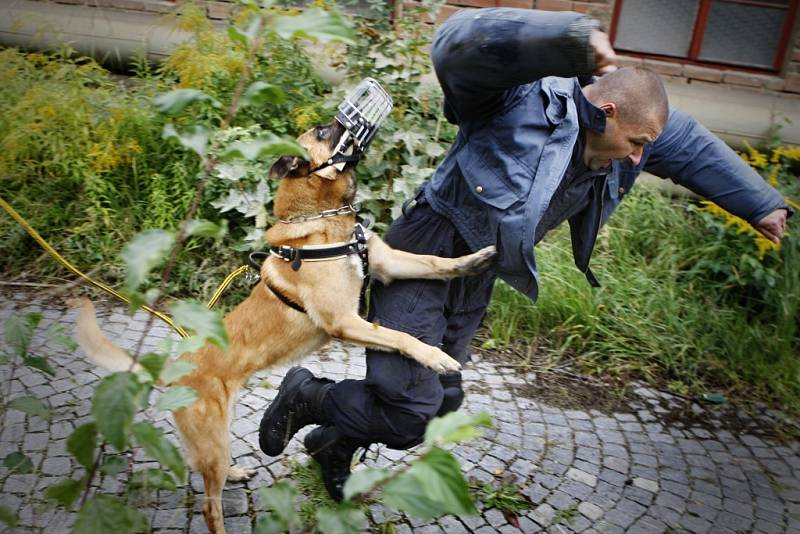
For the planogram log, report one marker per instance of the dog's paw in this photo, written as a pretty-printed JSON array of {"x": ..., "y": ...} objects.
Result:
[
  {"x": 440, "y": 362},
  {"x": 477, "y": 262},
  {"x": 237, "y": 473}
]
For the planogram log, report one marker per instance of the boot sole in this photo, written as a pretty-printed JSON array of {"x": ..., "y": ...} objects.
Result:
[{"x": 289, "y": 381}]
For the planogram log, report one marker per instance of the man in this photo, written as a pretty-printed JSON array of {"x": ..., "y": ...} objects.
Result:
[{"x": 534, "y": 149}]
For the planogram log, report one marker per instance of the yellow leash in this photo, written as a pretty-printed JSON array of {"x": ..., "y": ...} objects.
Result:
[{"x": 63, "y": 261}]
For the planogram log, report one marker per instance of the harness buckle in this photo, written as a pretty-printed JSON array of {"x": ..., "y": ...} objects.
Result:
[{"x": 287, "y": 253}]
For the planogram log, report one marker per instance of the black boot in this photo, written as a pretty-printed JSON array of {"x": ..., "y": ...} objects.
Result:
[
  {"x": 334, "y": 453},
  {"x": 298, "y": 403},
  {"x": 453, "y": 393}
]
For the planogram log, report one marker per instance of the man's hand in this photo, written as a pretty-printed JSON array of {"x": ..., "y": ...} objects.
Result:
[
  {"x": 604, "y": 56},
  {"x": 773, "y": 225}
]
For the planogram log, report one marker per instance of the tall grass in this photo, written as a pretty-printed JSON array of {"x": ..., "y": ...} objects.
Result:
[{"x": 661, "y": 313}]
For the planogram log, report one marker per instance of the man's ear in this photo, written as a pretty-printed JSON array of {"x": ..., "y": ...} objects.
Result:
[
  {"x": 610, "y": 109},
  {"x": 291, "y": 166}
]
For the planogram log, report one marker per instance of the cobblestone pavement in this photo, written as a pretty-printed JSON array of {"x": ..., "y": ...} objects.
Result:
[{"x": 583, "y": 471}]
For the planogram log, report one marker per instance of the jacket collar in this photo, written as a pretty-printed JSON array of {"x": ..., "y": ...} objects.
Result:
[{"x": 589, "y": 115}]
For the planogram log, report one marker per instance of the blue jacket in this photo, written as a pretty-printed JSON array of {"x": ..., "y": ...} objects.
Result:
[{"x": 509, "y": 77}]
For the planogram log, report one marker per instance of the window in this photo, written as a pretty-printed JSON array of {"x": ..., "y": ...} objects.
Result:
[{"x": 746, "y": 33}]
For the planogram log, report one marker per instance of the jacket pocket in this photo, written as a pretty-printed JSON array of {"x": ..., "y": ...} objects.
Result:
[{"x": 492, "y": 184}]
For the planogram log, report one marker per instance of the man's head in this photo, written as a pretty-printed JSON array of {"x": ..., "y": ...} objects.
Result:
[{"x": 635, "y": 104}]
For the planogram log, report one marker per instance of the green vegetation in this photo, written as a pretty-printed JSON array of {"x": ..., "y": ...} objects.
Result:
[
  {"x": 505, "y": 496},
  {"x": 689, "y": 298}
]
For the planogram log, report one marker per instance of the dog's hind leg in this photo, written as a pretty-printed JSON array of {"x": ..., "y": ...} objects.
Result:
[{"x": 204, "y": 427}]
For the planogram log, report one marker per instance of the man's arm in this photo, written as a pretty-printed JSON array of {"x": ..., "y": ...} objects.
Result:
[
  {"x": 693, "y": 157},
  {"x": 478, "y": 55}
]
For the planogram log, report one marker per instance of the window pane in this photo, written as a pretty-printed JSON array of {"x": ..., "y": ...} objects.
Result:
[
  {"x": 742, "y": 34},
  {"x": 656, "y": 26}
]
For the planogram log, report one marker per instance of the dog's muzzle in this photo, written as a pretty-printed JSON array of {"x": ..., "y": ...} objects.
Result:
[{"x": 361, "y": 113}]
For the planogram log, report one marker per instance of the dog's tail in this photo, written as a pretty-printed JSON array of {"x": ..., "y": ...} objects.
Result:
[{"x": 96, "y": 345}]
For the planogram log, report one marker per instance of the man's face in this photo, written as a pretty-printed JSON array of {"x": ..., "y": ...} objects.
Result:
[{"x": 621, "y": 140}]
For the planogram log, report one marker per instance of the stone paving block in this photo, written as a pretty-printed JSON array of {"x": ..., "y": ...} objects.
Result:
[
  {"x": 582, "y": 476},
  {"x": 542, "y": 514},
  {"x": 591, "y": 510},
  {"x": 608, "y": 467}
]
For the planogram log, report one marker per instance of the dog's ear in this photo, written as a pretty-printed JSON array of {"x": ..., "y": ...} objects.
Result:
[{"x": 291, "y": 166}]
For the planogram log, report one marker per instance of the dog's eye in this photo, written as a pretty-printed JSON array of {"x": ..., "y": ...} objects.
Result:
[{"x": 322, "y": 132}]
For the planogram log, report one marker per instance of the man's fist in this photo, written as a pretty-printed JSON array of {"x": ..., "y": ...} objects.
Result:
[
  {"x": 604, "y": 56},
  {"x": 773, "y": 225}
]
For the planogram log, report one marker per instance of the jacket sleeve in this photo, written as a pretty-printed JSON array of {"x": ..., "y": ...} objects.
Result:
[
  {"x": 695, "y": 158},
  {"x": 481, "y": 55}
]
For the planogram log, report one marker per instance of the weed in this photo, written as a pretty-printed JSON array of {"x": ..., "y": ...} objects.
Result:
[
  {"x": 567, "y": 515},
  {"x": 506, "y": 497}
]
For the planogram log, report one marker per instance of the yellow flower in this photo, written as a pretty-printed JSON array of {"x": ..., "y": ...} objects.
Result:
[{"x": 740, "y": 226}]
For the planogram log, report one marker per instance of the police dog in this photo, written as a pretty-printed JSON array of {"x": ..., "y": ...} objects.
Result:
[{"x": 265, "y": 331}]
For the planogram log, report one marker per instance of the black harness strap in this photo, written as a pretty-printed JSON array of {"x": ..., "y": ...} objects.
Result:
[
  {"x": 297, "y": 255},
  {"x": 254, "y": 260},
  {"x": 338, "y": 158}
]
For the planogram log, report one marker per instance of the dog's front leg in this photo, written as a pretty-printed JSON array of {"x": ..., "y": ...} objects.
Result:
[
  {"x": 355, "y": 329},
  {"x": 387, "y": 264}
]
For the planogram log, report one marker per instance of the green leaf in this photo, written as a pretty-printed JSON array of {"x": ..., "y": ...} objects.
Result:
[
  {"x": 195, "y": 316},
  {"x": 104, "y": 513},
  {"x": 203, "y": 228},
  {"x": 31, "y": 406},
  {"x": 267, "y": 144},
  {"x": 82, "y": 443},
  {"x": 174, "y": 102},
  {"x": 18, "y": 463},
  {"x": 195, "y": 139},
  {"x": 403, "y": 493},
  {"x": 65, "y": 493},
  {"x": 314, "y": 24},
  {"x": 152, "y": 478},
  {"x": 363, "y": 481},
  {"x": 177, "y": 397},
  {"x": 146, "y": 250},
  {"x": 714, "y": 398},
  {"x": 280, "y": 500},
  {"x": 153, "y": 363},
  {"x": 19, "y": 332},
  {"x": 260, "y": 93},
  {"x": 8, "y": 517},
  {"x": 116, "y": 399},
  {"x": 455, "y": 427},
  {"x": 432, "y": 487},
  {"x": 157, "y": 446},
  {"x": 58, "y": 334},
  {"x": 244, "y": 37},
  {"x": 40, "y": 363},
  {"x": 113, "y": 465},
  {"x": 270, "y": 524},
  {"x": 344, "y": 519},
  {"x": 189, "y": 344},
  {"x": 176, "y": 370}
]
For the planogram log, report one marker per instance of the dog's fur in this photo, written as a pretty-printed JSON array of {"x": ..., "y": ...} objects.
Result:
[{"x": 263, "y": 331}]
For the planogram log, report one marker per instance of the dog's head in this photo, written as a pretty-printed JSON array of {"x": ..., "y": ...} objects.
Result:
[{"x": 320, "y": 143}]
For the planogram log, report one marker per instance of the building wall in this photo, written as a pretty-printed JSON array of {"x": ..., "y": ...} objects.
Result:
[{"x": 787, "y": 82}]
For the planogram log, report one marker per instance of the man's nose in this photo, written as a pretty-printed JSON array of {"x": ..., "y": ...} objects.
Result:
[{"x": 636, "y": 155}]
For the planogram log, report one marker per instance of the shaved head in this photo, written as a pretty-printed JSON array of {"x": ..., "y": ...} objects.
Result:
[
  {"x": 635, "y": 104},
  {"x": 638, "y": 94}
]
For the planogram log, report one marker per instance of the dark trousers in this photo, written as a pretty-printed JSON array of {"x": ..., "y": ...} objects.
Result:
[{"x": 399, "y": 396}]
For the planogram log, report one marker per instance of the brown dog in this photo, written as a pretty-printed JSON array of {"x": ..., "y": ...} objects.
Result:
[{"x": 265, "y": 331}]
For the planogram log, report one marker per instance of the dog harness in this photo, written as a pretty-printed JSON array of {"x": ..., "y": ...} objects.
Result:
[{"x": 330, "y": 252}]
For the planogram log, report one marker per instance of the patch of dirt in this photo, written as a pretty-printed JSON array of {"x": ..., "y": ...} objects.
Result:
[
  {"x": 563, "y": 386},
  {"x": 560, "y": 386}
]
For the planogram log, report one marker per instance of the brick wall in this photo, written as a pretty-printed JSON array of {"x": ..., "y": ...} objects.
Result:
[{"x": 787, "y": 83}]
